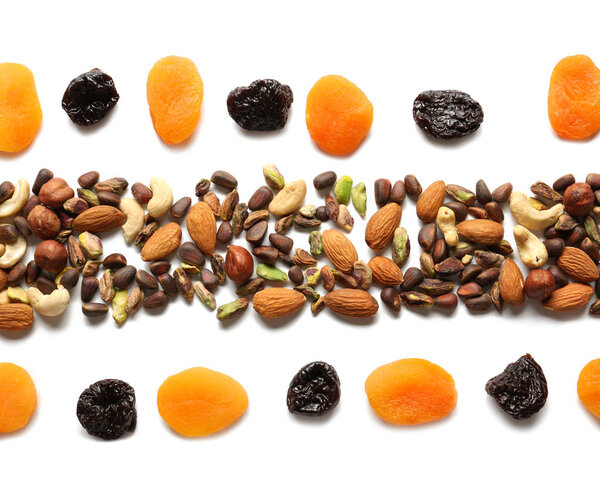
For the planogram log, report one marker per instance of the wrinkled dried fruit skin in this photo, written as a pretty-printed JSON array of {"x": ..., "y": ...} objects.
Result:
[
  {"x": 89, "y": 97},
  {"x": 106, "y": 409},
  {"x": 18, "y": 397},
  {"x": 262, "y": 106},
  {"x": 521, "y": 389},
  {"x": 447, "y": 114},
  {"x": 588, "y": 387},
  {"x": 314, "y": 390}
]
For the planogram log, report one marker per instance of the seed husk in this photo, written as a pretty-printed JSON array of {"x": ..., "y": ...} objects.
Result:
[
  {"x": 217, "y": 263},
  {"x": 224, "y": 179},
  {"x": 577, "y": 235},
  {"x": 284, "y": 224},
  {"x": 207, "y": 297},
  {"x": 480, "y": 303},
  {"x": 391, "y": 298},
  {"x": 281, "y": 242},
  {"x": 106, "y": 286},
  {"x": 7, "y": 190},
  {"x": 135, "y": 300},
  {"x": 115, "y": 261},
  {"x": 469, "y": 290},
  {"x": 181, "y": 207},
  {"x": 470, "y": 273},
  {"x": 32, "y": 272},
  {"x": 286, "y": 259},
  {"x": 324, "y": 180},
  {"x": 446, "y": 301},
  {"x": 250, "y": 287},
  {"x": 322, "y": 213},
  {"x": 460, "y": 210},
  {"x": 296, "y": 275},
  {"x": 167, "y": 282},
  {"x": 494, "y": 211},
  {"x": 591, "y": 249},
  {"x": 91, "y": 267},
  {"x": 563, "y": 182},
  {"x": 145, "y": 234},
  {"x": 109, "y": 198},
  {"x": 482, "y": 192},
  {"x": 145, "y": 280},
  {"x": 502, "y": 193},
  {"x": 75, "y": 206},
  {"x": 383, "y": 189},
  {"x": 427, "y": 264},
  {"x": 503, "y": 247},
  {"x": 412, "y": 278},
  {"x": 189, "y": 253},
  {"x": 595, "y": 308},
  {"x": 427, "y": 236},
  {"x": 240, "y": 214},
  {"x": 17, "y": 274},
  {"x": 440, "y": 250},
  {"x": 496, "y": 297},
  {"x": 560, "y": 277},
  {"x": 257, "y": 232},
  {"x": 228, "y": 206},
  {"x": 45, "y": 286},
  {"x": 159, "y": 267},
  {"x": 22, "y": 225},
  {"x": 270, "y": 272},
  {"x": 413, "y": 186},
  {"x": 398, "y": 194},
  {"x": 593, "y": 180},
  {"x": 266, "y": 254},
  {"x": 565, "y": 223},
  {"x": 488, "y": 277},
  {"x": 212, "y": 200},
  {"x": 209, "y": 279},
  {"x": 303, "y": 258},
  {"x": 68, "y": 277},
  {"x": 477, "y": 212},
  {"x": 224, "y": 233},
  {"x": 448, "y": 267},
  {"x": 184, "y": 284},
  {"x": 555, "y": 247},
  {"x": 303, "y": 222},
  {"x": 543, "y": 190},
  {"x": 141, "y": 193},
  {"x": 43, "y": 176},
  {"x": 333, "y": 207},
  {"x": 92, "y": 310},
  {"x": 344, "y": 218},
  {"x": 76, "y": 255},
  {"x": 156, "y": 300},
  {"x": 416, "y": 299},
  {"x": 260, "y": 199},
  {"x": 231, "y": 309}
]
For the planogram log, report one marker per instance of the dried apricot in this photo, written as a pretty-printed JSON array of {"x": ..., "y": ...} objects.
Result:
[
  {"x": 20, "y": 110},
  {"x": 411, "y": 391},
  {"x": 18, "y": 397},
  {"x": 198, "y": 402},
  {"x": 574, "y": 98},
  {"x": 175, "y": 91},
  {"x": 588, "y": 387},
  {"x": 338, "y": 115}
]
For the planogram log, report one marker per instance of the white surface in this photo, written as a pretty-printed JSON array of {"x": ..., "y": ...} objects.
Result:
[{"x": 502, "y": 54}]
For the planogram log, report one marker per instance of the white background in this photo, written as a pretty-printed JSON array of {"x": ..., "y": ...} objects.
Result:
[{"x": 500, "y": 53}]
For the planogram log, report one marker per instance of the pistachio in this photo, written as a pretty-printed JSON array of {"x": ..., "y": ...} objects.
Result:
[
  {"x": 89, "y": 196},
  {"x": 17, "y": 295},
  {"x": 143, "y": 235},
  {"x": 229, "y": 204},
  {"x": 212, "y": 200},
  {"x": 207, "y": 297},
  {"x": 327, "y": 278},
  {"x": 270, "y": 272},
  {"x": 363, "y": 275},
  {"x": 284, "y": 224},
  {"x": 308, "y": 292},
  {"x": 435, "y": 287},
  {"x": 184, "y": 284},
  {"x": 359, "y": 198},
  {"x": 238, "y": 220},
  {"x": 107, "y": 289},
  {"x": 427, "y": 264},
  {"x": 317, "y": 306},
  {"x": 400, "y": 246},
  {"x": 305, "y": 222},
  {"x": 503, "y": 247},
  {"x": 461, "y": 249},
  {"x": 119, "y": 313},
  {"x": 416, "y": 299},
  {"x": 333, "y": 207},
  {"x": 343, "y": 279},
  {"x": 190, "y": 269},
  {"x": 231, "y": 309},
  {"x": 76, "y": 255},
  {"x": 303, "y": 258},
  {"x": 461, "y": 194},
  {"x": 342, "y": 189},
  {"x": 273, "y": 177},
  {"x": 91, "y": 245},
  {"x": 313, "y": 275},
  {"x": 344, "y": 218},
  {"x": 135, "y": 300},
  {"x": 75, "y": 206},
  {"x": 316, "y": 243},
  {"x": 308, "y": 211},
  {"x": 565, "y": 223},
  {"x": 115, "y": 185},
  {"x": 545, "y": 191},
  {"x": 250, "y": 287},
  {"x": 91, "y": 267},
  {"x": 391, "y": 298},
  {"x": 217, "y": 263}
]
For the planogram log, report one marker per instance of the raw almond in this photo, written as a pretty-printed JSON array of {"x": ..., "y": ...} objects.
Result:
[
  {"x": 381, "y": 226},
  {"x": 162, "y": 243},
  {"x": 339, "y": 249},
  {"x": 430, "y": 201},
  {"x": 15, "y": 317},
  {"x": 3, "y": 279},
  {"x": 568, "y": 298},
  {"x": 101, "y": 218},
  {"x": 202, "y": 227},
  {"x": 577, "y": 264},
  {"x": 512, "y": 284},
  {"x": 352, "y": 302},
  {"x": 481, "y": 231},
  {"x": 385, "y": 271},
  {"x": 277, "y": 302}
]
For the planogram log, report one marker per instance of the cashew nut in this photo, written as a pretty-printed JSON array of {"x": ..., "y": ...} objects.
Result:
[
  {"x": 530, "y": 218},
  {"x": 13, "y": 253},
  {"x": 446, "y": 221},
  {"x": 162, "y": 197},
  {"x": 52, "y": 304},
  {"x": 532, "y": 251},
  {"x": 16, "y": 202},
  {"x": 135, "y": 218},
  {"x": 289, "y": 199}
]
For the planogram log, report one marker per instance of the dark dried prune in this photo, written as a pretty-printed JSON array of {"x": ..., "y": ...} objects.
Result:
[
  {"x": 447, "y": 114},
  {"x": 89, "y": 97},
  {"x": 314, "y": 390},
  {"x": 262, "y": 106},
  {"x": 106, "y": 409},
  {"x": 521, "y": 389}
]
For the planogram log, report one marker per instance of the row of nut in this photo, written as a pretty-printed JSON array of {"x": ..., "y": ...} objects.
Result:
[{"x": 462, "y": 241}]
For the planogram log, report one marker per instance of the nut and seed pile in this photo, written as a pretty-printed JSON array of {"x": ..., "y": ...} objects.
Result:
[{"x": 465, "y": 255}]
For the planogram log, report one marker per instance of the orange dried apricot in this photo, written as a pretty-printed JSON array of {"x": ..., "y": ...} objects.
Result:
[
  {"x": 18, "y": 397},
  {"x": 411, "y": 391},
  {"x": 574, "y": 98},
  {"x": 198, "y": 401},
  {"x": 588, "y": 387},
  {"x": 338, "y": 115},
  {"x": 175, "y": 91},
  {"x": 20, "y": 110}
]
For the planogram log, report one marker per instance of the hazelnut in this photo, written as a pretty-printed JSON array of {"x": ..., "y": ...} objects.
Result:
[
  {"x": 578, "y": 199},
  {"x": 43, "y": 222},
  {"x": 239, "y": 264},
  {"x": 55, "y": 192},
  {"x": 539, "y": 284},
  {"x": 51, "y": 256}
]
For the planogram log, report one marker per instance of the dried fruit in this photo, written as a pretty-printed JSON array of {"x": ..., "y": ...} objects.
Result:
[
  {"x": 19, "y": 397},
  {"x": 89, "y": 97},
  {"x": 521, "y": 389},
  {"x": 314, "y": 390},
  {"x": 277, "y": 302},
  {"x": 588, "y": 388}
]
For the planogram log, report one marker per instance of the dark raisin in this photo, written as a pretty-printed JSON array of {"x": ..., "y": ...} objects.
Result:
[
  {"x": 262, "y": 106},
  {"x": 447, "y": 114},
  {"x": 314, "y": 390},
  {"x": 89, "y": 97},
  {"x": 521, "y": 389},
  {"x": 106, "y": 409}
]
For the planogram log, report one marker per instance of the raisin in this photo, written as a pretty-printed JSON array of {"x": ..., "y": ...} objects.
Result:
[
  {"x": 447, "y": 114},
  {"x": 262, "y": 106},
  {"x": 314, "y": 390},
  {"x": 89, "y": 97},
  {"x": 521, "y": 389},
  {"x": 106, "y": 409}
]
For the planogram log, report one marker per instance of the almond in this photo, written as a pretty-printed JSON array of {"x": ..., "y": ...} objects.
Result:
[
  {"x": 162, "y": 243},
  {"x": 202, "y": 227},
  {"x": 481, "y": 231},
  {"x": 101, "y": 218},
  {"x": 339, "y": 249},
  {"x": 277, "y": 302},
  {"x": 15, "y": 317},
  {"x": 512, "y": 284},
  {"x": 3, "y": 279},
  {"x": 352, "y": 302},
  {"x": 385, "y": 271},
  {"x": 381, "y": 226},
  {"x": 577, "y": 264},
  {"x": 568, "y": 298},
  {"x": 430, "y": 201}
]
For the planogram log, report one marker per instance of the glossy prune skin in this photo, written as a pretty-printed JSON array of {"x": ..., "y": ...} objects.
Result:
[
  {"x": 106, "y": 409},
  {"x": 447, "y": 114},
  {"x": 89, "y": 97},
  {"x": 314, "y": 390},
  {"x": 262, "y": 106},
  {"x": 521, "y": 389}
]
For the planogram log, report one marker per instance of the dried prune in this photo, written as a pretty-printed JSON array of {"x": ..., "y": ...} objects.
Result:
[
  {"x": 521, "y": 389},
  {"x": 262, "y": 106},
  {"x": 89, "y": 97},
  {"x": 314, "y": 390},
  {"x": 106, "y": 409},
  {"x": 447, "y": 114}
]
